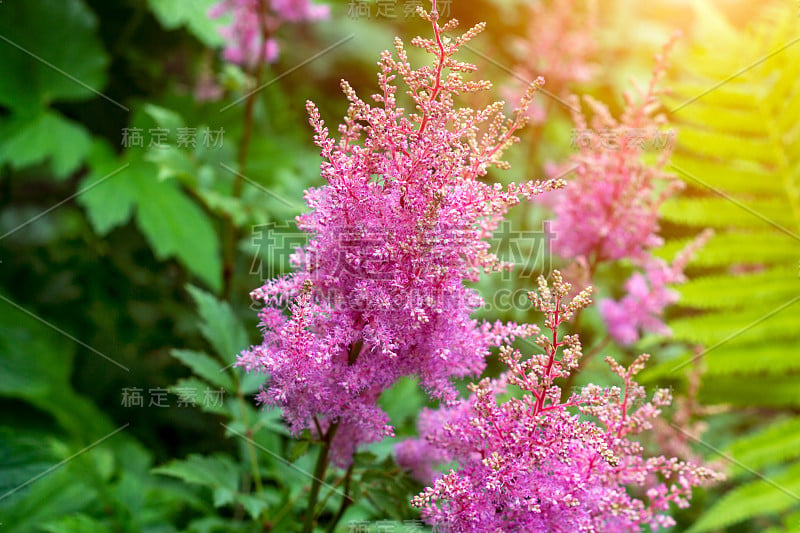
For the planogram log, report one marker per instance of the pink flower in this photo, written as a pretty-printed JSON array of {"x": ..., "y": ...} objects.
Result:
[
  {"x": 537, "y": 463},
  {"x": 249, "y": 37},
  {"x": 609, "y": 210},
  {"x": 641, "y": 309},
  {"x": 560, "y": 45},
  {"x": 401, "y": 224}
]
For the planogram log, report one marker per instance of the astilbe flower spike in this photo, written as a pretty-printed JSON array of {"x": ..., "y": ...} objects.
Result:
[
  {"x": 560, "y": 44},
  {"x": 379, "y": 290},
  {"x": 536, "y": 463},
  {"x": 610, "y": 210},
  {"x": 250, "y": 36}
]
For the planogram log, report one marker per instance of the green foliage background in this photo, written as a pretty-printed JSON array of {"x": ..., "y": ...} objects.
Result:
[{"x": 116, "y": 271}]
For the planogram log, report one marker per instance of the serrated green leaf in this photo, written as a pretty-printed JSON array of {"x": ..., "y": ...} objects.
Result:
[
  {"x": 173, "y": 14},
  {"x": 722, "y": 212},
  {"x": 767, "y": 247},
  {"x": 110, "y": 194},
  {"x": 176, "y": 226},
  {"x": 219, "y": 325},
  {"x": 61, "y": 492},
  {"x": 205, "y": 366},
  {"x": 254, "y": 504},
  {"x": 77, "y": 523},
  {"x": 163, "y": 117},
  {"x": 767, "y": 391},
  {"x": 759, "y": 358},
  {"x": 195, "y": 393},
  {"x": 739, "y": 326},
  {"x": 218, "y": 472},
  {"x": 725, "y": 146},
  {"x": 50, "y": 58},
  {"x": 776, "y": 285},
  {"x": 22, "y": 458},
  {"x": 48, "y": 137},
  {"x": 173, "y": 225},
  {"x": 173, "y": 162}
]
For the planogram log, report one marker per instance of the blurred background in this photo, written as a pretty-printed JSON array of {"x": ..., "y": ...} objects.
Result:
[{"x": 149, "y": 181}]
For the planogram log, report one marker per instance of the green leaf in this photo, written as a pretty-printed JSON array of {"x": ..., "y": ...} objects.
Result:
[
  {"x": 756, "y": 499},
  {"x": 250, "y": 382},
  {"x": 777, "y": 443},
  {"x": 298, "y": 449},
  {"x": 173, "y": 14},
  {"x": 757, "y": 358},
  {"x": 205, "y": 366},
  {"x": 22, "y": 458},
  {"x": 748, "y": 247},
  {"x": 720, "y": 212},
  {"x": 193, "y": 392},
  {"x": 36, "y": 366},
  {"x": 739, "y": 154},
  {"x": 49, "y": 52},
  {"x": 77, "y": 523},
  {"x": 176, "y": 226},
  {"x": 219, "y": 325},
  {"x": 163, "y": 117},
  {"x": 213, "y": 471},
  {"x": 218, "y": 472},
  {"x": 172, "y": 223},
  {"x": 48, "y": 136},
  {"x": 60, "y": 493},
  {"x": 739, "y": 326},
  {"x": 776, "y": 285},
  {"x": 747, "y": 391},
  {"x": 255, "y": 504},
  {"x": 110, "y": 193}
]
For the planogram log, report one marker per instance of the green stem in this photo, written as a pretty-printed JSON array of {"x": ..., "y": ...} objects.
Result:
[
  {"x": 322, "y": 459},
  {"x": 347, "y": 501},
  {"x": 231, "y": 232},
  {"x": 251, "y": 451},
  {"x": 319, "y": 474}
]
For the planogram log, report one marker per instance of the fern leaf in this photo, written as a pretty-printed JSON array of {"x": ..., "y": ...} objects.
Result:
[
  {"x": 736, "y": 107},
  {"x": 756, "y": 499},
  {"x": 774, "y": 286},
  {"x": 778, "y": 442}
]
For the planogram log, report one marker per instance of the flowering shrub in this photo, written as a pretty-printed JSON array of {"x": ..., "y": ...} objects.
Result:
[
  {"x": 116, "y": 203},
  {"x": 537, "y": 463},
  {"x": 402, "y": 223}
]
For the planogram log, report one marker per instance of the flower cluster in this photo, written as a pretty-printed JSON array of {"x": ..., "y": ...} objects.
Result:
[
  {"x": 250, "y": 36},
  {"x": 560, "y": 45},
  {"x": 647, "y": 295},
  {"x": 537, "y": 463},
  {"x": 609, "y": 211},
  {"x": 369, "y": 310}
]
